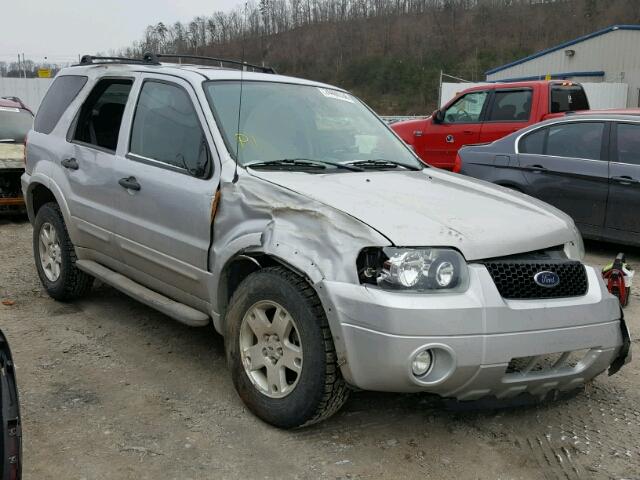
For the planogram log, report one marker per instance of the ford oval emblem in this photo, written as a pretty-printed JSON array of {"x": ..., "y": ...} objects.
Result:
[{"x": 546, "y": 279}]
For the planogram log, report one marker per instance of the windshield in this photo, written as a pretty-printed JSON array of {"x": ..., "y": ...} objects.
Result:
[
  {"x": 14, "y": 124},
  {"x": 282, "y": 121}
]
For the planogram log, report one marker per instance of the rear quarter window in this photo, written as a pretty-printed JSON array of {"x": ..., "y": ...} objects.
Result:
[
  {"x": 533, "y": 142},
  {"x": 61, "y": 93}
]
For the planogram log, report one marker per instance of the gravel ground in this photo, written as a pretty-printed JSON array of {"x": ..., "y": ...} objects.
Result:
[{"x": 111, "y": 389}]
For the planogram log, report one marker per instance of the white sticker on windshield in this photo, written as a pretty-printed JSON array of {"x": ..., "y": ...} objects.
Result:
[
  {"x": 9, "y": 109},
  {"x": 335, "y": 94}
]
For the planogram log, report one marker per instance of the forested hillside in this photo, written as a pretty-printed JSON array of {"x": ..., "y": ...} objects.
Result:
[{"x": 389, "y": 52}]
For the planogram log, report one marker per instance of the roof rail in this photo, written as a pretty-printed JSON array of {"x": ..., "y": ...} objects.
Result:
[
  {"x": 154, "y": 57},
  {"x": 99, "y": 60}
]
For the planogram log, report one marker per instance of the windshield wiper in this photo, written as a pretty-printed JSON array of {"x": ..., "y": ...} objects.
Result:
[
  {"x": 381, "y": 163},
  {"x": 302, "y": 163},
  {"x": 7, "y": 140}
]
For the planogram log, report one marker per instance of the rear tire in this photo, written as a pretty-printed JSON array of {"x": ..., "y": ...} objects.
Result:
[
  {"x": 55, "y": 256},
  {"x": 313, "y": 389}
]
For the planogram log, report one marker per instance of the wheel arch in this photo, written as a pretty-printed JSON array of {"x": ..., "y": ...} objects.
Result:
[
  {"x": 238, "y": 268},
  {"x": 41, "y": 191}
]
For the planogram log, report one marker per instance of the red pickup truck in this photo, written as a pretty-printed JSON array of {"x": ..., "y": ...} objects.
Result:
[{"x": 486, "y": 113}]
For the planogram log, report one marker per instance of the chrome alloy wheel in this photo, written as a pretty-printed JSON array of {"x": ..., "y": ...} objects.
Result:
[
  {"x": 270, "y": 349},
  {"x": 50, "y": 252}
]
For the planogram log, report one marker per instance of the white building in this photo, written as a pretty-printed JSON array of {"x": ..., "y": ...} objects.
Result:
[
  {"x": 30, "y": 90},
  {"x": 611, "y": 55}
]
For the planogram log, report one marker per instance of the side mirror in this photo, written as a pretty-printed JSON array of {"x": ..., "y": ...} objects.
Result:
[{"x": 438, "y": 116}]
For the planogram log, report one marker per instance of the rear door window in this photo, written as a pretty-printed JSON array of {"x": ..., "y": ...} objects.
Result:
[
  {"x": 628, "y": 143},
  {"x": 510, "y": 106},
  {"x": 60, "y": 94},
  {"x": 576, "y": 140},
  {"x": 467, "y": 109},
  {"x": 99, "y": 120},
  {"x": 567, "y": 98},
  {"x": 166, "y": 129}
]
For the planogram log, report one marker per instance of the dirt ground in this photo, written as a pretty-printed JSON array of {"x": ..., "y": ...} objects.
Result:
[{"x": 111, "y": 389}]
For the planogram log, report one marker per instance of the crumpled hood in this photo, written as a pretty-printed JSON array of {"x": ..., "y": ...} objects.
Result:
[{"x": 436, "y": 208}]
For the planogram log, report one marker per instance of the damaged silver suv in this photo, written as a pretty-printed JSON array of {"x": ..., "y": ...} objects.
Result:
[{"x": 287, "y": 214}]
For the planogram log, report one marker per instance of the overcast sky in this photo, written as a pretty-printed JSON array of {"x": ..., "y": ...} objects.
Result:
[{"x": 62, "y": 29}]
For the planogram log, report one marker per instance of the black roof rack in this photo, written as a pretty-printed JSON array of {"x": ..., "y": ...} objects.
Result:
[
  {"x": 154, "y": 57},
  {"x": 99, "y": 60}
]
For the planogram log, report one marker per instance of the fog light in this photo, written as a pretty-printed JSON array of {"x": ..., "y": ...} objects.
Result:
[{"x": 421, "y": 363}]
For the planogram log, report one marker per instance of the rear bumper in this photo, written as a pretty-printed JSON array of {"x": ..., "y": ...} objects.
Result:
[{"x": 478, "y": 340}]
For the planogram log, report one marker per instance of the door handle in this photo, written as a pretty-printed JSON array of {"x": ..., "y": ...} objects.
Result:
[
  {"x": 70, "y": 163},
  {"x": 468, "y": 132},
  {"x": 130, "y": 183},
  {"x": 625, "y": 180},
  {"x": 536, "y": 168}
]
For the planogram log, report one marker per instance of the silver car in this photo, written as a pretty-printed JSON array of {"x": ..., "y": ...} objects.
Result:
[{"x": 288, "y": 215}]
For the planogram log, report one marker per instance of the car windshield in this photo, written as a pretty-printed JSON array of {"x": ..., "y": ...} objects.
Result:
[
  {"x": 280, "y": 121},
  {"x": 14, "y": 124}
]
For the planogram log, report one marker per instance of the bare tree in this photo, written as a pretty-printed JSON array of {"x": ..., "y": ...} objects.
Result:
[{"x": 388, "y": 51}]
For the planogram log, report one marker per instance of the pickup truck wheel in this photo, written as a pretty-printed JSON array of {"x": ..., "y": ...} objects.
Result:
[
  {"x": 55, "y": 256},
  {"x": 280, "y": 351}
]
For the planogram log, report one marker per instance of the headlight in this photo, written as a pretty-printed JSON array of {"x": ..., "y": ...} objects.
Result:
[{"x": 426, "y": 270}]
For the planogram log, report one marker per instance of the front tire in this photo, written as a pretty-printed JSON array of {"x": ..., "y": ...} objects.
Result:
[
  {"x": 280, "y": 350},
  {"x": 55, "y": 256}
]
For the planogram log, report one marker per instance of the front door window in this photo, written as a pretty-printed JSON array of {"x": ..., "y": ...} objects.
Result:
[{"x": 467, "y": 109}]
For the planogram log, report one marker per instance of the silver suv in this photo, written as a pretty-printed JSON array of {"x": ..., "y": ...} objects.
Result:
[{"x": 286, "y": 213}]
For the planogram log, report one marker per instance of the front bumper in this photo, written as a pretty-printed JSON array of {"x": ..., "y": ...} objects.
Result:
[{"x": 482, "y": 344}]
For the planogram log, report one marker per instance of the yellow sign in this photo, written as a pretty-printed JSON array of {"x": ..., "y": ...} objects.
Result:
[
  {"x": 548, "y": 76},
  {"x": 44, "y": 73}
]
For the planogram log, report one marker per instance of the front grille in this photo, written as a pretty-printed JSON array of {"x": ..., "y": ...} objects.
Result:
[{"x": 514, "y": 279}]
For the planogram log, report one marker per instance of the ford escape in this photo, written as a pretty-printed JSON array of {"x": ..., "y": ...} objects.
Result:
[{"x": 288, "y": 215}]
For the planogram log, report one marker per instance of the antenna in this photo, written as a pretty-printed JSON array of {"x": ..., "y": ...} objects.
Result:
[{"x": 235, "y": 173}]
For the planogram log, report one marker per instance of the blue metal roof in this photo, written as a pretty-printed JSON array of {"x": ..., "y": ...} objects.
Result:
[
  {"x": 564, "y": 45},
  {"x": 554, "y": 76}
]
